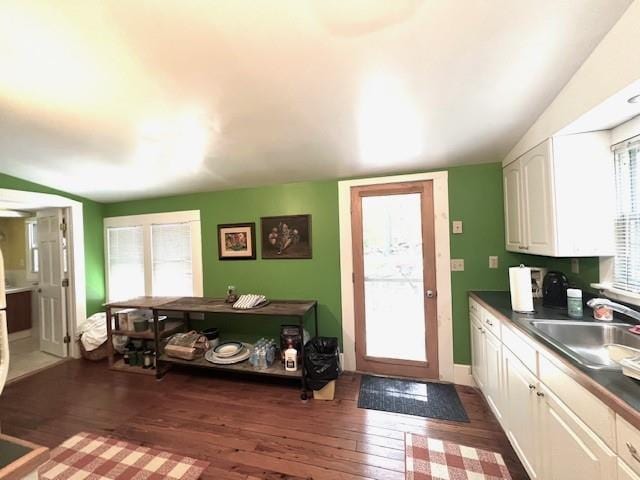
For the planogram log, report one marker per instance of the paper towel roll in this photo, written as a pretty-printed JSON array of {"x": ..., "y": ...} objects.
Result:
[{"x": 520, "y": 286}]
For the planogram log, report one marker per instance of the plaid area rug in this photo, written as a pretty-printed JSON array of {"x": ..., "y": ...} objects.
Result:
[
  {"x": 431, "y": 459},
  {"x": 101, "y": 458}
]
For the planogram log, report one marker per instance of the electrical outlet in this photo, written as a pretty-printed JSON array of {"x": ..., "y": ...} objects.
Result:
[
  {"x": 457, "y": 264},
  {"x": 493, "y": 261},
  {"x": 457, "y": 226},
  {"x": 575, "y": 265}
]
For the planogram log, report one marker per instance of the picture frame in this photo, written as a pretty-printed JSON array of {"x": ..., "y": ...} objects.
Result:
[
  {"x": 286, "y": 237},
  {"x": 237, "y": 241}
]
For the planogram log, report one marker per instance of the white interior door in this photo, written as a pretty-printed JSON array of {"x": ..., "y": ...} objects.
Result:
[{"x": 52, "y": 301}]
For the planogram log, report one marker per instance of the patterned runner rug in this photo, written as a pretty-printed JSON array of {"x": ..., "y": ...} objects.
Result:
[
  {"x": 100, "y": 458},
  {"x": 431, "y": 459}
]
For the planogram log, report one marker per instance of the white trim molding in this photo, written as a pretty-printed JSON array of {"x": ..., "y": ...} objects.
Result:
[
  {"x": 462, "y": 375},
  {"x": 443, "y": 266},
  {"x": 146, "y": 221},
  {"x": 77, "y": 296}
]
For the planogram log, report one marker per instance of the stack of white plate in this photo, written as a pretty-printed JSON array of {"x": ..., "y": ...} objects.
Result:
[{"x": 229, "y": 353}]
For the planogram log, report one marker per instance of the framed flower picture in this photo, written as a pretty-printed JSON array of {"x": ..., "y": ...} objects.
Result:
[
  {"x": 286, "y": 237},
  {"x": 237, "y": 241}
]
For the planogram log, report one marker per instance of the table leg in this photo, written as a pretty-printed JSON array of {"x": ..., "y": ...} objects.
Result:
[
  {"x": 303, "y": 395},
  {"x": 109, "y": 337},
  {"x": 156, "y": 340},
  {"x": 315, "y": 314}
]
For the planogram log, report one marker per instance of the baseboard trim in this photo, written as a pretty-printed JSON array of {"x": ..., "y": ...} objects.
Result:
[
  {"x": 462, "y": 375},
  {"x": 20, "y": 335}
]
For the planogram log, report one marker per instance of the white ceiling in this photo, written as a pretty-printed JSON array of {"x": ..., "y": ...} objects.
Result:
[{"x": 120, "y": 100}]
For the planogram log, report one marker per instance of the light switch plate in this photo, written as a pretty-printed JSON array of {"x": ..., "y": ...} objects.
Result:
[
  {"x": 457, "y": 226},
  {"x": 575, "y": 265},
  {"x": 457, "y": 264},
  {"x": 493, "y": 261}
]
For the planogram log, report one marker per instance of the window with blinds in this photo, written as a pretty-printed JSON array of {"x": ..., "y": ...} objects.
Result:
[
  {"x": 172, "y": 263},
  {"x": 626, "y": 275},
  {"x": 154, "y": 254},
  {"x": 125, "y": 259}
]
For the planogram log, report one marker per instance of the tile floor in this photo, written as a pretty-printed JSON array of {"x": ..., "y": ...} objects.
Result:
[{"x": 25, "y": 357}]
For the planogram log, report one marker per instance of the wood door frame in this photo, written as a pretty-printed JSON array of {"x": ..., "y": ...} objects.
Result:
[{"x": 409, "y": 368}]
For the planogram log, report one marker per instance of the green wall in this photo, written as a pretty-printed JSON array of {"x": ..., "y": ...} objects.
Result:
[
  {"x": 475, "y": 197},
  {"x": 93, "y": 238},
  {"x": 317, "y": 278}
]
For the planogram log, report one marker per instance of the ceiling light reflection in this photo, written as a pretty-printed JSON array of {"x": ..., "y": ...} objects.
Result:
[{"x": 389, "y": 125}]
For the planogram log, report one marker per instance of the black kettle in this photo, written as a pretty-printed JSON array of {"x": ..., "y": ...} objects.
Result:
[{"x": 554, "y": 290}]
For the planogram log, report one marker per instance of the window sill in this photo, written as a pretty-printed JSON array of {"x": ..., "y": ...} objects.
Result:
[{"x": 616, "y": 294}]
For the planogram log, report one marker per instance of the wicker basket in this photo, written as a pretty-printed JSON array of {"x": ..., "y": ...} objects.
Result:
[{"x": 96, "y": 355}]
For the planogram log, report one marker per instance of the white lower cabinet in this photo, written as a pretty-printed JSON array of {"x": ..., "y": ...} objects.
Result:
[
  {"x": 494, "y": 381},
  {"x": 570, "y": 450},
  {"x": 522, "y": 413},
  {"x": 552, "y": 441},
  {"x": 478, "y": 363}
]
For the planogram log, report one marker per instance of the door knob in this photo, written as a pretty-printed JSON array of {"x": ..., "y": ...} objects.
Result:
[{"x": 430, "y": 294}]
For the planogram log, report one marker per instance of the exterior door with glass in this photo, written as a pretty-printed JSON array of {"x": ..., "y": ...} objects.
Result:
[{"x": 395, "y": 279}]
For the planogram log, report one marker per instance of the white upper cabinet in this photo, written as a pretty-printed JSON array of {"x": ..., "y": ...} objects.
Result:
[{"x": 559, "y": 198}]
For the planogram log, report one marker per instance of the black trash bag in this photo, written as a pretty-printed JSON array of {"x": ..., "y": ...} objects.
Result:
[{"x": 321, "y": 361}]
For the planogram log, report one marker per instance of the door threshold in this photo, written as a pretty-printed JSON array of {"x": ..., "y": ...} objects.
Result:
[
  {"x": 398, "y": 377},
  {"x": 37, "y": 370}
]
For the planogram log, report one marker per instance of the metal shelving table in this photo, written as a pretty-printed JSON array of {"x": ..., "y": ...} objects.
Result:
[
  {"x": 275, "y": 308},
  {"x": 186, "y": 306}
]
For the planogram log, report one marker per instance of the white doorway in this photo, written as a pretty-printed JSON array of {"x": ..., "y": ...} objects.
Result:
[
  {"x": 52, "y": 275},
  {"x": 52, "y": 283}
]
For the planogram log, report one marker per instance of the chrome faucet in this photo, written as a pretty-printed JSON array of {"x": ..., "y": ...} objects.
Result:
[{"x": 616, "y": 307}]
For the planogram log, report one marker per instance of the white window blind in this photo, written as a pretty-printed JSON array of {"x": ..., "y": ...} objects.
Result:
[
  {"x": 626, "y": 274},
  {"x": 125, "y": 251},
  {"x": 172, "y": 263}
]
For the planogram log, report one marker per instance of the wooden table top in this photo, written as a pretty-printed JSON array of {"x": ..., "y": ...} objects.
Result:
[
  {"x": 141, "y": 302},
  {"x": 283, "y": 308}
]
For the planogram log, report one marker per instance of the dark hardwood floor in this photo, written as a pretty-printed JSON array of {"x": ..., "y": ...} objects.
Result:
[{"x": 245, "y": 428}]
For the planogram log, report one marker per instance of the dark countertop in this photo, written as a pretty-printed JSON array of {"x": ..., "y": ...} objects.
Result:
[{"x": 617, "y": 385}]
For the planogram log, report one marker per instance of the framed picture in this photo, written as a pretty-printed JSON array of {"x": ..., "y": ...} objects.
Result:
[
  {"x": 286, "y": 237},
  {"x": 237, "y": 241}
]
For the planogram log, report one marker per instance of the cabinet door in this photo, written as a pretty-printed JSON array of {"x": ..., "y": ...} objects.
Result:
[
  {"x": 522, "y": 413},
  {"x": 478, "y": 366},
  {"x": 626, "y": 473},
  {"x": 571, "y": 451},
  {"x": 494, "y": 390},
  {"x": 538, "y": 200},
  {"x": 513, "y": 220}
]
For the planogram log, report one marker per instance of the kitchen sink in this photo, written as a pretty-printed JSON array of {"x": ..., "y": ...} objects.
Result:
[{"x": 585, "y": 341}]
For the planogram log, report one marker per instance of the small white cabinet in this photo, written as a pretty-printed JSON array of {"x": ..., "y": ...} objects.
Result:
[
  {"x": 478, "y": 363},
  {"x": 559, "y": 198},
  {"x": 493, "y": 379},
  {"x": 522, "y": 413},
  {"x": 572, "y": 450}
]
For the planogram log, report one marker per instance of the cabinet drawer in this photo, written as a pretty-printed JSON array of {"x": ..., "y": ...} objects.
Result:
[
  {"x": 525, "y": 352},
  {"x": 628, "y": 439},
  {"x": 475, "y": 308},
  {"x": 599, "y": 417},
  {"x": 492, "y": 324}
]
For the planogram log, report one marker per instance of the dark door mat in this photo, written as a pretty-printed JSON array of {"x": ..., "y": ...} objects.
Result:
[{"x": 422, "y": 399}]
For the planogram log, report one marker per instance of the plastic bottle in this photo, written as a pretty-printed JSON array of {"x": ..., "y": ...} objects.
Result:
[
  {"x": 290, "y": 358},
  {"x": 574, "y": 302}
]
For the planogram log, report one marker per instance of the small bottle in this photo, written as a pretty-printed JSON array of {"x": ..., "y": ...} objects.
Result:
[
  {"x": 290, "y": 358},
  {"x": 574, "y": 302}
]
